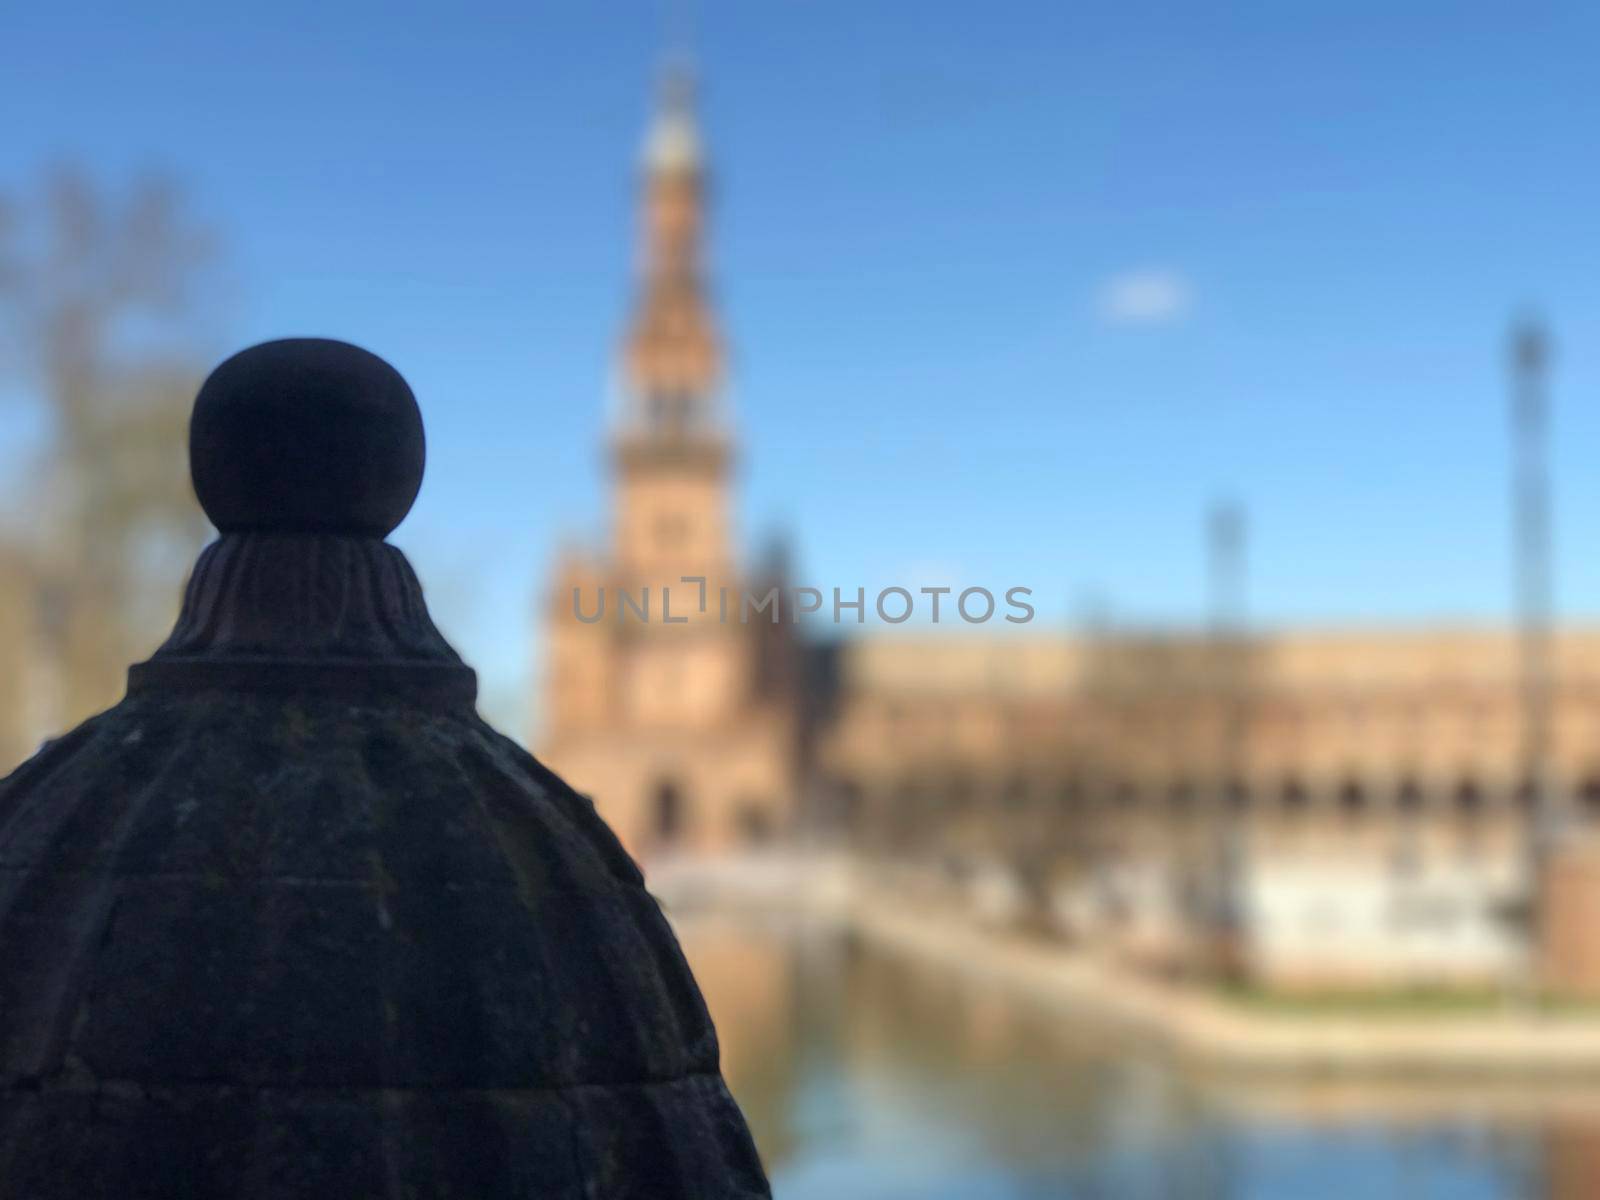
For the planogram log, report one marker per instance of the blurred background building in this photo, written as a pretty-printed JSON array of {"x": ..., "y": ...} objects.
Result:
[{"x": 1302, "y": 808}]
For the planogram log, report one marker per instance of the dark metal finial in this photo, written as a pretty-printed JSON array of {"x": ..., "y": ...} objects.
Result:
[
  {"x": 306, "y": 435},
  {"x": 305, "y": 453}
]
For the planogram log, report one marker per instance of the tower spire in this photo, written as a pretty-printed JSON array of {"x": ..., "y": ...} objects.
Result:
[
  {"x": 672, "y": 354},
  {"x": 673, "y": 143}
]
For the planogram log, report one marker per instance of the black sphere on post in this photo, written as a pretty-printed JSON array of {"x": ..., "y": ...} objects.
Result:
[{"x": 306, "y": 435}]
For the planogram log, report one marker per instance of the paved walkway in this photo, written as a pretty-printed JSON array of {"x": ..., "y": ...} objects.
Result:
[
  {"x": 1221, "y": 1033},
  {"x": 1193, "y": 1023}
]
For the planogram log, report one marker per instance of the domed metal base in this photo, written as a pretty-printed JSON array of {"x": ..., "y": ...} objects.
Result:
[{"x": 256, "y": 945}]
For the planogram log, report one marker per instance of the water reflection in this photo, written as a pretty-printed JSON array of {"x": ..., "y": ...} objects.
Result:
[{"x": 867, "y": 1075}]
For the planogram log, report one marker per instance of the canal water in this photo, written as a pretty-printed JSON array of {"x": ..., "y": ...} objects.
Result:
[{"x": 868, "y": 1074}]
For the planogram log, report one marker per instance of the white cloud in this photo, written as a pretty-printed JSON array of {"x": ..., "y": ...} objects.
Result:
[{"x": 1145, "y": 297}]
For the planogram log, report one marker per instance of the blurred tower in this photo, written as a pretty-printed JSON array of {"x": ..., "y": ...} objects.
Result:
[
  {"x": 666, "y": 711},
  {"x": 671, "y": 449}
]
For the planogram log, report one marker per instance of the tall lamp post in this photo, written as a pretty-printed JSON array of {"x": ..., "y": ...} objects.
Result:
[
  {"x": 1529, "y": 359},
  {"x": 1225, "y": 553}
]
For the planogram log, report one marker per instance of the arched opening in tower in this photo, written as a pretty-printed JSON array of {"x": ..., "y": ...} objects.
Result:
[
  {"x": 754, "y": 821},
  {"x": 1589, "y": 796},
  {"x": 668, "y": 809}
]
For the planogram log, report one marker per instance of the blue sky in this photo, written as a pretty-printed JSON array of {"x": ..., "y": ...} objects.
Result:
[{"x": 1013, "y": 289}]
